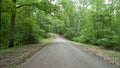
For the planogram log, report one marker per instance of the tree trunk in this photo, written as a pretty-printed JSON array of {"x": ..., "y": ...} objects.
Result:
[{"x": 12, "y": 24}]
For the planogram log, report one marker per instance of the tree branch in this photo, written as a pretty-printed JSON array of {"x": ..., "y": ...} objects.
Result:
[{"x": 30, "y": 4}]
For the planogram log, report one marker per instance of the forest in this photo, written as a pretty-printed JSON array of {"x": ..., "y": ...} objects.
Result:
[{"x": 95, "y": 22}]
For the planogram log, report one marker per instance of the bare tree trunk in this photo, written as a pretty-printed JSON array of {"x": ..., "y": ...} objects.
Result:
[{"x": 12, "y": 24}]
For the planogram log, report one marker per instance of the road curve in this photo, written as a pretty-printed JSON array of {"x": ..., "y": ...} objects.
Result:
[{"x": 61, "y": 54}]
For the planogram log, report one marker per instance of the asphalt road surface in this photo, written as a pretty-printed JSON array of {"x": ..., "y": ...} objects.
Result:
[{"x": 62, "y": 54}]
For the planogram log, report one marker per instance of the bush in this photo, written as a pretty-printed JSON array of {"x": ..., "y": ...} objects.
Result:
[
  {"x": 28, "y": 32},
  {"x": 116, "y": 47},
  {"x": 82, "y": 39},
  {"x": 77, "y": 39},
  {"x": 105, "y": 42},
  {"x": 69, "y": 33}
]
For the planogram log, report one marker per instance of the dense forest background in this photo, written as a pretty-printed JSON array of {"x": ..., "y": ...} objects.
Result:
[{"x": 88, "y": 21}]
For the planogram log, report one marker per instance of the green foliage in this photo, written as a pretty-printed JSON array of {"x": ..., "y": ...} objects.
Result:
[
  {"x": 6, "y": 6},
  {"x": 92, "y": 22},
  {"x": 78, "y": 39},
  {"x": 30, "y": 21},
  {"x": 69, "y": 33},
  {"x": 95, "y": 22},
  {"x": 107, "y": 43},
  {"x": 29, "y": 33},
  {"x": 4, "y": 30}
]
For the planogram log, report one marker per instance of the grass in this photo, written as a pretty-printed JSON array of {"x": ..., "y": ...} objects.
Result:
[
  {"x": 108, "y": 55},
  {"x": 25, "y": 52},
  {"x": 111, "y": 53},
  {"x": 21, "y": 47},
  {"x": 43, "y": 41}
]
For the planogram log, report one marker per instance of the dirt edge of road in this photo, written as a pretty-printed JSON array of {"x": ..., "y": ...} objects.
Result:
[
  {"x": 97, "y": 53},
  {"x": 16, "y": 59}
]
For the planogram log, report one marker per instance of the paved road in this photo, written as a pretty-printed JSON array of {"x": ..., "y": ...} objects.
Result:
[{"x": 61, "y": 54}]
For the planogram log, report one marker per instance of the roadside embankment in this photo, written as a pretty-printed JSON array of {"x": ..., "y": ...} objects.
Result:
[{"x": 10, "y": 58}]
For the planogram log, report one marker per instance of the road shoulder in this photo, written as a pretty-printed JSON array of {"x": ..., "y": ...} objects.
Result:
[
  {"x": 110, "y": 56},
  {"x": 12, "y": 57}
]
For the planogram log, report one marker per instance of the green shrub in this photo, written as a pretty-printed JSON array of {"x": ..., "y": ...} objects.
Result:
[
  {"x": 77, "y": 39},
  {"x": 105, "y": 42},
  {"x": 82, "y": 39}
]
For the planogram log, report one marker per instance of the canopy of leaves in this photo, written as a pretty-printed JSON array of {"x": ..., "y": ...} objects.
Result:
[{"x": 88, "y": 21}]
